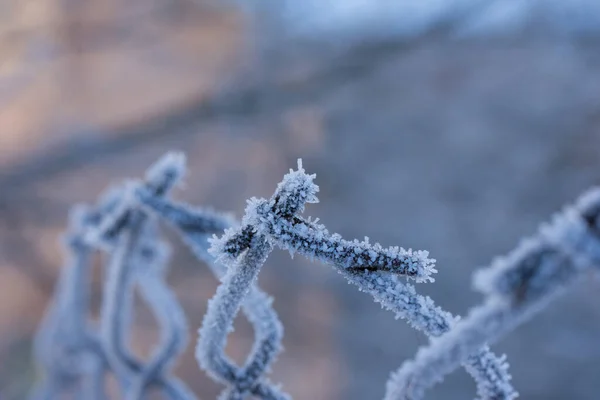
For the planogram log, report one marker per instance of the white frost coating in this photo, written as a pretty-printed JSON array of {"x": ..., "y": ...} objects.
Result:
[
  {"x": 414, "y": 377},
  {"x": 195, "y": 225},
  {"x": 164, "y": 174},
  {"x": 121, "y": 230},
  {"x": 152, "y": 256},
  {"x": 402, "y": 299},
  {"x": 576, "y": 230},
  {"x": 75, "y": 357},
  {"x": 218, "y": 322},
  {"x": 278, "y": 219},
  {"x": 491, "y": 374},
  {"x": 294, "y": 191},
  {"x": 371, "y": 267},
  {"x": 160, "y": 178},
  {"x": 517, "y": 287},
  {"x": 64, "y": 337},
  {"x": 104, "y": 233},
  {"x": 315, "y": 242},
  {"x": 185, "y": 218}
]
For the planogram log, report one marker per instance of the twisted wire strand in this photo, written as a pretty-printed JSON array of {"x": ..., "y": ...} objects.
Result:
[
  {"x": 65, "y": 340},
  {"x": 126, "y": 233},
  {"x": 516, "y": 287},
  {"x": 195, "y": 226},
  {"x": 372, "y": 268},
  {"x": 151, "y": 269},
  {"x": 124, "y": 225},
  {"x": 74, "y": 356}
]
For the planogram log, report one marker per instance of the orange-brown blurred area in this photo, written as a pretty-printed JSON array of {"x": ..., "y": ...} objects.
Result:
[
  {"x": 459, "y": 147},
  {"x": 105, "y": 63}
]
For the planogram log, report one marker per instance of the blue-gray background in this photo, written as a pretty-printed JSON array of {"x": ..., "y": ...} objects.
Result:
[{"x": 455, "y": 127}]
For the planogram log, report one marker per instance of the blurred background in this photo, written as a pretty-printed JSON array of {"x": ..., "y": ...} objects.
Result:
[{"x": 455, "y": 126}]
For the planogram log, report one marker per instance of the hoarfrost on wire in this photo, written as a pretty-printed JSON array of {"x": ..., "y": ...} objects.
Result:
[{"x": 76, "y": 355}]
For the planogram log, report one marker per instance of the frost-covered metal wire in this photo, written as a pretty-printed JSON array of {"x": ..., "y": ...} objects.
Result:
[
  {"x": 516, "y": 288},
  {"x": 137, "y": 258},
  {"x": 237, "y": 290},
  {"x": 65, "y": 340},
  {"x": 75, "y": 355},
  {"x": 374, "y": 269},
  {"x": 123, "y": 225},
  {"x": 277, "y": 219}
]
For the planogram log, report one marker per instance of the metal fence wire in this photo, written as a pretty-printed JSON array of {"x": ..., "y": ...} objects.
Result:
[{"x": 76, "y": 354}]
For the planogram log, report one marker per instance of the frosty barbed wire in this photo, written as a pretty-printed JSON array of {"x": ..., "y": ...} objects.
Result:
[{"x": 516, "y": 288}]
